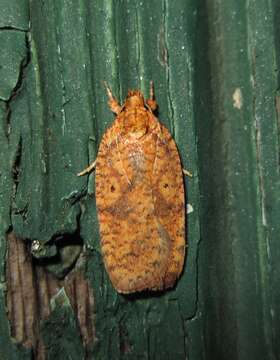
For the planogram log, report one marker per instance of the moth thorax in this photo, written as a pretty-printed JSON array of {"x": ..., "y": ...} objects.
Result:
[{"x": 135, "y": 123}]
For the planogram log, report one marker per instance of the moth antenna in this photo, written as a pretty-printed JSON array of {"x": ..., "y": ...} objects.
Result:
[
  {"x": 109, "y": 92},
  {"x": 152, "y": 90},
  {"x": 113, "y": 102},
  {"x": 151, "y": 102}
]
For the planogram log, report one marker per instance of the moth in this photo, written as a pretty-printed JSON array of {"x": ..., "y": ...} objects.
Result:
[{"x": 140, "y": 198}]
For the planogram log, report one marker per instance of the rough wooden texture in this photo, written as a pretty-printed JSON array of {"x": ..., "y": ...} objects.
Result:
[
  {"x": 35, "y": 296},
  {"x": 238, "y": 140},
  {"x": 215, "y": 67}
]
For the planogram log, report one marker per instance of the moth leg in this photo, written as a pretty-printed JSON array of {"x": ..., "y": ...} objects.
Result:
[
  {"x": 151, "y": 102},
  {"x": 88, "y": 169},
  {"x": 113, "y": 102},
  {"x": 187, "y": 173}
]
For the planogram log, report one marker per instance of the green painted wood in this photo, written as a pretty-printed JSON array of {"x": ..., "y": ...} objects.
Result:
[
  {"x": 60, "y": 331},
  {"x": 239, "y": 143},
  {"x": 14, "y": 15},
  {"x": 215, "y": 69},
  {"x": 12, "y": 58}
]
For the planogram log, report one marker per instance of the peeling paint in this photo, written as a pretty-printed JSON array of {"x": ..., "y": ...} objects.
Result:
[
  {"x": 189, "y": 209},
  {"x": 237, "y": 99}
]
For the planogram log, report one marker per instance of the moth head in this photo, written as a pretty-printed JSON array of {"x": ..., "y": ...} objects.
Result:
[
  {"x": 134, "y": 99},
  {"x": 135, "y": 120}
]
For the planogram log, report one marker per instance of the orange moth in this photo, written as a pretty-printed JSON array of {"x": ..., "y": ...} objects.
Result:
[{"x": 140, "y": 198}]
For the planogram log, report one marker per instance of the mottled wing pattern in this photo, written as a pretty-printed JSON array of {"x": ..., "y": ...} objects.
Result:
[
  {"x": 140, "y": 202},
  {"x": 169, "y": 200}
]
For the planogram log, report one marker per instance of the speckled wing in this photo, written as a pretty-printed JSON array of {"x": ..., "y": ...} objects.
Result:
[
  {"x": 169, "y": 202},
  {"x": 140, "y": 202}
]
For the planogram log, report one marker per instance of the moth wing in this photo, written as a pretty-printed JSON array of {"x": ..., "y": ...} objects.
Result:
[
  {"x": 129, "y": 247},
  {"x": 169, "y": 202},
  {"x": 142, "y": 220}
]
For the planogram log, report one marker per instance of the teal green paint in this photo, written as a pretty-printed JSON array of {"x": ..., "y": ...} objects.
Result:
[
  {"x": 14, "y": 14},
  {"x": 8, "y": 350},
  {"x": 266, "y": 84},
  {"x": 13, "y": 53},
  {"x": 46, "y": 128},
  {"x": 238, "y": 145},
  {"x": 5, "y": 189},
  {"x": 60, "y": 331}
]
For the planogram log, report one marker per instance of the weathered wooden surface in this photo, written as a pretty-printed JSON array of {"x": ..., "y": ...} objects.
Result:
[
  {"x": 215, "y": 68},
  {"x": 41, "y": 308}
]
